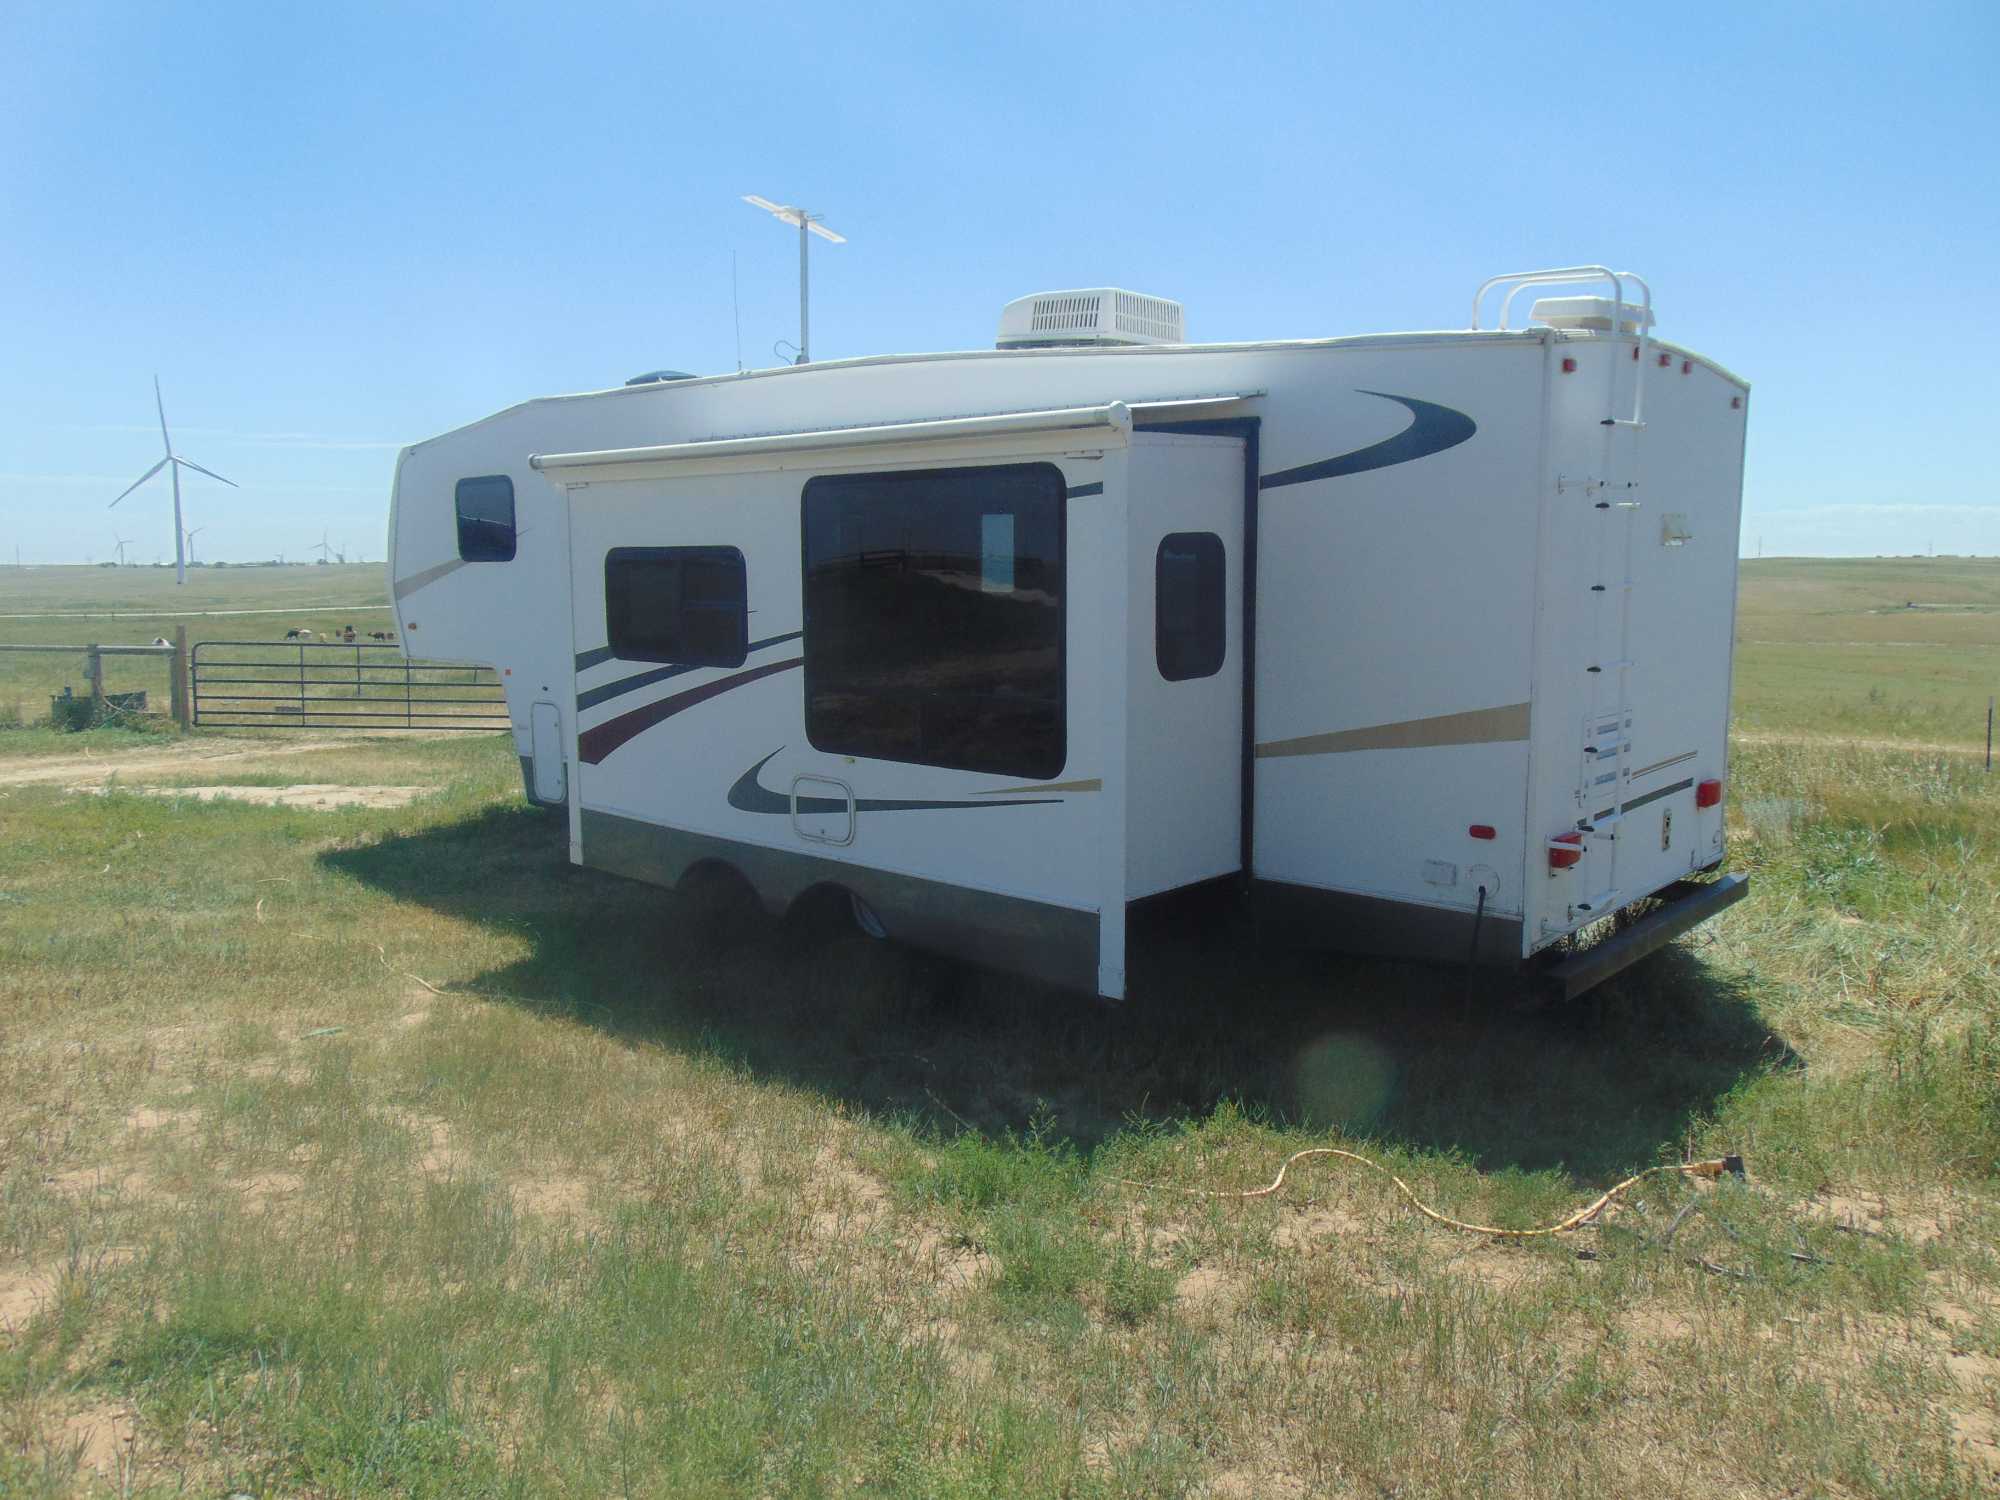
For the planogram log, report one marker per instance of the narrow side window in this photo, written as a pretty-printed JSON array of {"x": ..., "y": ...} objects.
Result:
[
  {"x": 1190, "y": 621},
  {"x": 686, "y": 605},
  {"x": 486, "y": 518}
]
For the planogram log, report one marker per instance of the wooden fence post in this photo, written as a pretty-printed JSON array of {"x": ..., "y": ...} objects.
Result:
[
  {"x": 93, "y": 671},
  {"x": 178, "y": 687}
]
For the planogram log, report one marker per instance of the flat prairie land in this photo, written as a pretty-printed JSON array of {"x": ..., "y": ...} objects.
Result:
[
  {"x": 1870, "y": 648},
  {"x": 133, "y": 606},
  {"x": 356, "y": 1144}
]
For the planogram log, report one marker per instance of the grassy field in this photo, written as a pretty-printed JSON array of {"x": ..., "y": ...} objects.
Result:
[
  {"x": 1896, "y": 648},
  {"x": 132, "y": 606},
  {"x": 373, "y": 1150}
]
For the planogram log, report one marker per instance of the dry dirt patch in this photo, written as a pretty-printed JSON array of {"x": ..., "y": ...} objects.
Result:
[
  {"x": 319, "y": 795},
  {"x": 23, "y": 1294},
  {"x": 1205, "y": 1289},
  {"x": 554, "y": 1197},
  {"x": 1252, "y": 1482},
  {"x": 176, "y": 756},
  {"x": 103, "y": 1435}
]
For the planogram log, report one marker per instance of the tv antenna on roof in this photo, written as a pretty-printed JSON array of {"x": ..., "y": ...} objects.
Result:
[
  {"x": 809, "y": 223},
  {"x": 173, "y": 463}
]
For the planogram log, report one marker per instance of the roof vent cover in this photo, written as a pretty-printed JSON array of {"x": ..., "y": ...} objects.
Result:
[
  {"x": 1590, "y": 314},
  {"x": 1093, "y": 317}
]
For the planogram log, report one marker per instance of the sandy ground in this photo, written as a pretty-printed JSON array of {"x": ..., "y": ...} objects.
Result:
[
  {"x": 176, "y": 757},
  {"x": 300, "y": 794}
]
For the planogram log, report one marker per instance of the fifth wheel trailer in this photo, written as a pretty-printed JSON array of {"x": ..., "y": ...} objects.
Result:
[{"x": 1422, "y": 638}]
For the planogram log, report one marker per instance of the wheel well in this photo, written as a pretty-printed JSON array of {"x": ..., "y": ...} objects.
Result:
[
  {"x": 717, "y": 880},
  {"x": 827, "y": 904}
]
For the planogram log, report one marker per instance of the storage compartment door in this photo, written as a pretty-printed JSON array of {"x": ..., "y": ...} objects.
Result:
[{"x": 550, "y": 771}]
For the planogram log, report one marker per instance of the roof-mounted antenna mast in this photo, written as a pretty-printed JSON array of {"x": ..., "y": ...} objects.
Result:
[
  {"x": 736, "y": 306},
  {"x": 808, "y": 223}
]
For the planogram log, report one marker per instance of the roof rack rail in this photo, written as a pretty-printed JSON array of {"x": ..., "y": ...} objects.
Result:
[{"x": 1515, "y": 281}]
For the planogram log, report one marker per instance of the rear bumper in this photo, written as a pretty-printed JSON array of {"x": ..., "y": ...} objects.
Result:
[{"x": 1688, "y": 903}]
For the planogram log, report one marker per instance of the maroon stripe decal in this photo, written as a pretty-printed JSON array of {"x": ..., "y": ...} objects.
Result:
[{"x": 594, "y": 744}]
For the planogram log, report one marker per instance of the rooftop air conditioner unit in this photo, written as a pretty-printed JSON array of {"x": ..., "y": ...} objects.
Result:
[
  {"x": 1095, "y": 317},
  {"x": 1590, "y": 314}
]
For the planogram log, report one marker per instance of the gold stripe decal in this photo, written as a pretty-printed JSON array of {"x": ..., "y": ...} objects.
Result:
[
  {"x": 1095, "y": 784},
  {"x": 1479, "y": 726},
  {"x": 408, "y": 586}
]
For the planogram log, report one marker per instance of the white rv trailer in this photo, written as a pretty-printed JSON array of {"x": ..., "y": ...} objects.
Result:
[{"x": 1424, "y": 638}]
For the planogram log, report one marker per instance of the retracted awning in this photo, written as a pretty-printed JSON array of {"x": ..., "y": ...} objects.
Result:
[{"x": 1112, "y": 415}]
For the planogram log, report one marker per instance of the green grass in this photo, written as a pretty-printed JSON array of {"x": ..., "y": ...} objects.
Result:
[{"x": 630, "y": 1209}]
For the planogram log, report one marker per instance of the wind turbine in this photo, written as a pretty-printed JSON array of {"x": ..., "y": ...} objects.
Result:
[
  {"x": 173, "y": 463},
  {"x": 321, "y": 547},
  {"x": 191, "y": 535},
  {"x": 808, "y": 223},
  {"x": 122, "y": 543}
]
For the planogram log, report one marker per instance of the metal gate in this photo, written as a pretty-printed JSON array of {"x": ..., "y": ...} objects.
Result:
[{"x": 338, "y": 685}]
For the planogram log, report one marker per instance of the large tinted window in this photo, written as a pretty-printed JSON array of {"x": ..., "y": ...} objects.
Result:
[
  {"x": 934, "y": 617},
  {"x": 679, "y": 604},
  {"x": 486, "y": 519},
  {"x": 1190, "y": 628}
]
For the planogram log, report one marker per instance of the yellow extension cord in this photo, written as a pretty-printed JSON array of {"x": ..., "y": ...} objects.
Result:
[{"x": 1709, "y": 1169}]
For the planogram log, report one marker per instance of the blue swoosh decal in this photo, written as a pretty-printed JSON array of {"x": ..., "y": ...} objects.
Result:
[
  {"x": 1433, "y": 429},
  {"x": 752, "y": 796}
]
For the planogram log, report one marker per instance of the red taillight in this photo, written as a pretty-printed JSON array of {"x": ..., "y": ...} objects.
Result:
[
  {"x": 1708, "y": 793},
  {"x": 1482, "y": 831},
  {"x": 1686, "y": 365},
  {"x": 1565, "y": 849},
  {"x": 1569, "y": 367},
  {"x": 1665, "y": 360}
]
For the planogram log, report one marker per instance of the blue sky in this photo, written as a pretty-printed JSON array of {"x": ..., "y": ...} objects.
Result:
[{"x": 335, "y": 229}]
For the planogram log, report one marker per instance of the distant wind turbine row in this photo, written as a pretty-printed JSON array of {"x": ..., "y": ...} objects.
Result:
[{"x": 173, "y": 463}]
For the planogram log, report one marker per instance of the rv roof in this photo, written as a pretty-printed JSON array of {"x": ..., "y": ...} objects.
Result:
[{"x": 1153, "y": 351}]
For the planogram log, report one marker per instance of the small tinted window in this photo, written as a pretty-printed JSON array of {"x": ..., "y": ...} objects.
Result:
[
  {"x": 1190, "y": 625},
  {"x": 934, "y": 617},
  {"x": 486, "y": 519},
  {"x": 688, "y": 605}
]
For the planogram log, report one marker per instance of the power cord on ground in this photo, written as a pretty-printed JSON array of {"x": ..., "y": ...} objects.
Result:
[
  {"x": 1472, "y": 953},
  {"x": 1733, "y": 1165}
]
